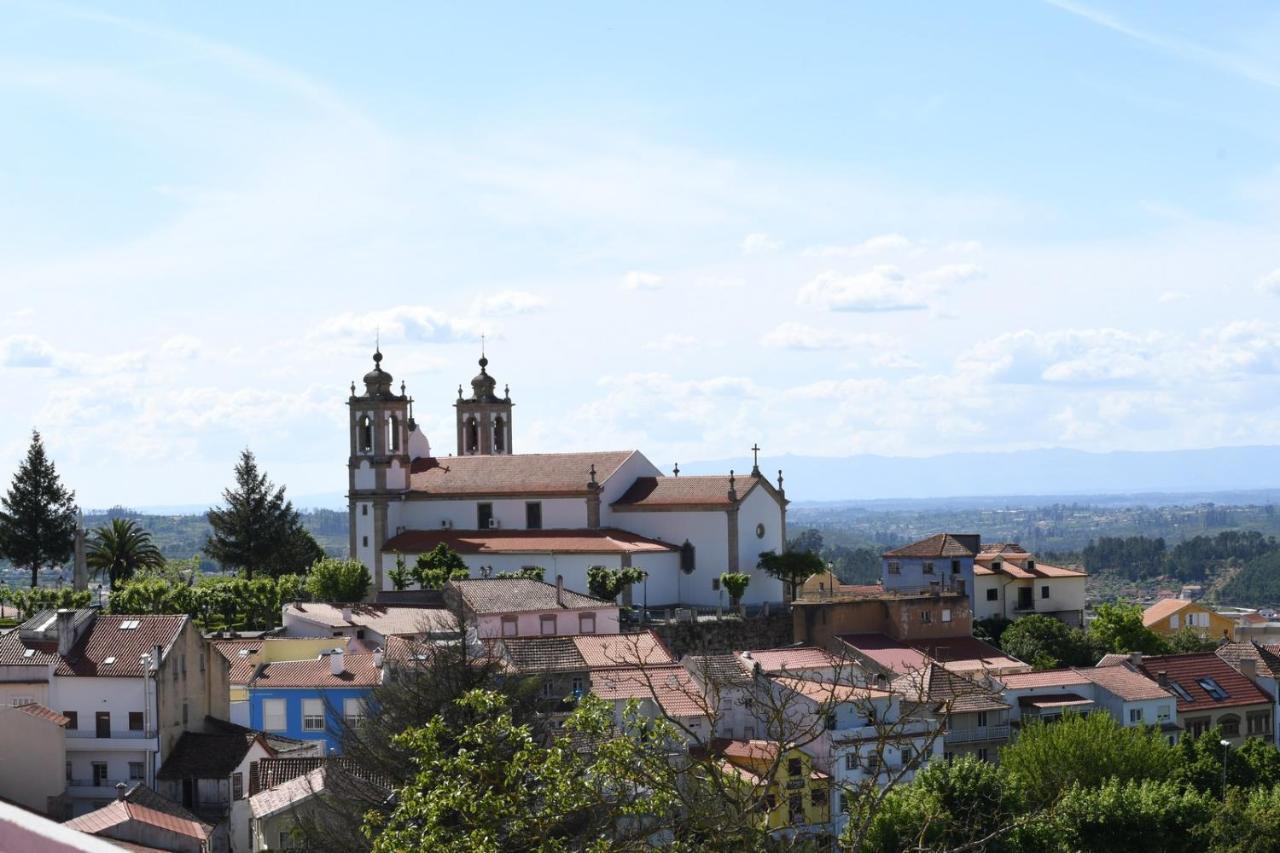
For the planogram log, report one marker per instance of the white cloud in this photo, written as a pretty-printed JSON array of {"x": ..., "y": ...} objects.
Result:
[
  {"x": 181, "y": 347},
  {"x": 25, "y": 351},
  {"x": 759, "y": 243},
  {"x": 798, "y": 336},
  {"x": 1270, "y": 283},
  {"x": 508, "y": 302},
  {"x": 895, "y": 361},
  {"x": 952, "y": 274},
  {"x": 671, "y": 342},
  {"x": 637, "y": 280},
  {"x": 872, "y": 245},
  {"x": 1070, "y": 356},
  {"x": 411, "y": 323},
  {"x": 29, "y": 351},
  {"x": 885, "y": 288},
  {"x": 1170, "y": 296}
]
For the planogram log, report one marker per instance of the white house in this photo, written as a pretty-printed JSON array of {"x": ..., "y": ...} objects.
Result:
[
  {"x": 1129, "y": 696},
  {"x": 561, "y": 512},
  {"x": 522, "y": 607},
  {"x": 1009, "y": 582}
]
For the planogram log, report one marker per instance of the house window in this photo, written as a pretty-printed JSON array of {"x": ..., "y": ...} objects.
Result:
[
  {"x": 1260, "y": 724},
  {"x": 715, "y": 584},
  {"x": 578, "y": 685},
  {"x": 927, "y": 567},
  {"x": 926, "y": 616},
  {"x": 273, "y": 715},
  {"x": 68, "y": 772},
  {"x": 1197, "y": 727},
  {"x": 73, "y": 718},
  {"x": 547, "y": 624},
  {"x": 510, "y": 627},
  {"x": 1162, "y": 713},
  {"x": 794, "y": 767},
  {"x": 908, "y": 756},
  {"x": 795, "y": 805},
  {"x": 955, "y": 567},
  {"x": 533, "y": 515},
  {"x": 136, "y": 770},
  {"x": 484, "y": 516},
  {"x": 993, "y": 595},
  {"x": 895, "y": 568},
  {"x": 313, "y": 715},
  {"x": 353, "y": 710},
  {"x": 364, "y": 509},
  {"x": 687, "y": 563},
  {"x": 1135, "y": 715},
  {"x": 99, "y": 773},
  {"x": 817, "y": 797},
  {"x": 831, "y": 721},
  {"x": 946, "y": 615},
  {"x": 1044, "y": 592},
  {"x": 586, "y": 623},
  {"x": 237, "y": 786},
  {"x": 1213, "y": 688},
  {"x": 982, "y": 754},
  {"x": 1230, "y": 725},
  {"x": 982, "y": 718},
  {"x": 365, "y": 541},
  {"x": 851, "y": 761}
]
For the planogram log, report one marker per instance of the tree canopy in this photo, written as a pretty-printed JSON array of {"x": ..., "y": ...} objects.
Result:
[
  {"x": 337, "y": 580},
  {"x": 792, "y": 567},
  {"x": 438, "y": 565},
  {"x": 37, "y": 515},
  {"x": 604, "y": 582},
  {"x": 120, "y": 549},
  {"x": 1047, "y": 643},
  {"x": 1118, "y": 628}
]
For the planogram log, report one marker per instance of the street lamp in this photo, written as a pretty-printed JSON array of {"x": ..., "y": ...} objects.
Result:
[{"x": 1226, "y": 748}]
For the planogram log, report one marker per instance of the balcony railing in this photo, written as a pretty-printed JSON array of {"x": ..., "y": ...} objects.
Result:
[
  {"x": 1000, "y": 732},
  {"x": 129, "y": 734}
]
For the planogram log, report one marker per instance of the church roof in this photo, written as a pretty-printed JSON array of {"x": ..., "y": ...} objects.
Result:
[
  {"x": 684, "y": 492},
  {"x": 606, "y": 540},
  {"x": 533, "y": 474}
]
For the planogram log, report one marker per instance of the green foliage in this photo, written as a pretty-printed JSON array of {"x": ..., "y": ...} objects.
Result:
[
  {"x": 1132, "y": 556},
  {"x": 1204, "y": 760},
  {"x": 1192, "y": 560},
  {"x": 1048, "y": 758},
  {"x": 400, "y": 575},
  {"x": 533, "y": 573},
  {"x": 438, "y": 565},
  {"x": 1047, "y": 643},
  {"x": 1249, "y": 821},
  {"x": 215, "y": 602},
  {"x": 1188, "y": 639},
  {"x": 1258, "y": 580},
  {"x": 792, "y": 567},
  {"x": 1119, "y": 628},
  {"x": 258, "y": 529},
  {"x": 1122, "y": 816},
  {"x": 809, "y": 539},
  {"x": 121, "y": 549},
  {"x": 991, "y": 630},
  {"x": 735, "y": 583},
  {"x": 38, "y": 518},
  {"x": 337, "y": 580},
  {"x": 607, "y": 583},
  {"x": 29, "y": 602},
  {"x": 153, "y": 596}
]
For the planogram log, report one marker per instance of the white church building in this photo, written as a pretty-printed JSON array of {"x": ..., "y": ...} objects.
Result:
[{"x": 562, "y": 512}]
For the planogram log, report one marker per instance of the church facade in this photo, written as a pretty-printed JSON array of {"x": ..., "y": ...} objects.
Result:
[{"x": 562, "y": 512}]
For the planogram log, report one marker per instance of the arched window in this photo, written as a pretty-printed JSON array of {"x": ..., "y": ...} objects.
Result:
[
  {"x": 366, "y": 434},
  {"x": 499, "y": 434},
  {"x": 687, "y": 564},
  {"x": 393, "y": 433},
  {"x": 473, "y": 436},
  {"x": 1230, "y": 724}
]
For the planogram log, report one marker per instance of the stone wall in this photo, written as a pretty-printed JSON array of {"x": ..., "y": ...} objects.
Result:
[{"x": 726, "y": 635}]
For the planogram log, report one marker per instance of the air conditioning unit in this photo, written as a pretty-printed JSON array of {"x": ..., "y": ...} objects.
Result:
[
  {"x": 493, "y": 523},
  {"x": 446, "y": 524}
]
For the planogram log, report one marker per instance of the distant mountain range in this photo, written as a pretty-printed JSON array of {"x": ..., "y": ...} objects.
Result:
[{"x": 1220, "y": 474}]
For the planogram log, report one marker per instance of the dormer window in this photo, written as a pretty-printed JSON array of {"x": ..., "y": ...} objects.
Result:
[{"x": 1031, "y": 564}]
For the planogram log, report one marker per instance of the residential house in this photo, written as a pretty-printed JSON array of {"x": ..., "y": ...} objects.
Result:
[
  {"x": 1009, "y": 583},
  {"x": 1211, "y": 693},
  {"x": 796, "y": 795},
  {"x": 369, "y": 624},
  {"x": 967, "y": 655},
  {"x": 975, "y": 718},
  {"x": 27, "y": 831},
  {"x": 520, "y": 607},
  {"x": 944, "y": 561},
  {"x": 33, "y": 755},
  {"x": 1170, "y": 615},
  {"x": 314, "y": 699},
  {"x": 143, "y": 818},
  {"x": 827, "y": 585},
  {"x": 242, "y": 656},
  {"x": 128, "y": 686},
  {"x": 283, "y": 791},
  {"x": 667, "y": 691},
  {"x": 1129, "y": 696},
  {"x": 1258, "y": 663}
]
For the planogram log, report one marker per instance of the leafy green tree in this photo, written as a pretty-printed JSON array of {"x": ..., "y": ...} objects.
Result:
[
  {"x": 38, "y": 519},
  {"x": 809, "y": 539},
  {"x": 120, "y": 549},
  {"x": 1204, "y": 760},
  {"x": 1047, "y": 759},
  {"x": 438, "y": 565},
  {"x": 29, "y": 602},
  {"x": 1248, "y": 822},
  {"x": 1187, "y": 639},
  {"x": 1118, "y": 628},
  {"x": 400, "y": 575},
  {"x": 153, "y": 596},
  {"x": 1122, "y": 816},
  {"x": 735, "y": 583},
  {"x": 332, "y": 579},
  {"x": 991, "y": 630},
  {"x": 1046, "y": 643},
  {"x": 259, "y": 529},
  {"x": 792, "y": 567},
  {"x": 607, "y": 583},
  {"x": 533, "y": 573}
]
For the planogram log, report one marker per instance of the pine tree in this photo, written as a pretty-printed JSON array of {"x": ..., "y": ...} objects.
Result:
[
  {"x": 258, "y": 528},
  {"x": 38, "y": 519}
]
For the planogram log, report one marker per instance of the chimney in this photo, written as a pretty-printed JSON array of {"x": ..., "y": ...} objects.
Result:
[
  {"x": 337, "y": 662},
  {"x": 156, "y": 653},
  {"x": 346, "y": 613},
  {"x": 1249, "y": 668},
  {"x": 1135, "y": 658},
  {"x": 377, "y": 658},
  {"x": 560, "y": 590},
  {"x": 66, "y": 630},
  {"x": 1162, "y": 678},
  {"x": 121, "y": 788}
]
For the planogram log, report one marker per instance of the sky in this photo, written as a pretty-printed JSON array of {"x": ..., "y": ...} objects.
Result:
[{"x": 830, "y": 228}]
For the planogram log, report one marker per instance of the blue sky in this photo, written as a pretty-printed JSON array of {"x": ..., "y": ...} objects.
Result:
[{"x": 830, "y": 228}]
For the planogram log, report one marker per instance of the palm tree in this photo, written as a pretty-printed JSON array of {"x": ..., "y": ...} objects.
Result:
[{"x": 120, "y": 549}]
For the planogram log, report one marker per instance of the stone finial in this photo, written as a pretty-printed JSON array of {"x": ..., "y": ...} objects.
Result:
[
  {"x": 593, "y": 484},
  {"x": 733, "y": 489},
  {"x": 459, "y": 392},
  {"x": 779, "y": 479},
  {"x": 401, "y": 387},
  {"x": 675, "y": 470},
  {"x": 506, "y": 392},
  {"x": 353, "y": 388}
]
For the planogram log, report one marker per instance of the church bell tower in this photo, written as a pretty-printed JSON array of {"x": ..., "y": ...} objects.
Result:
[
  {"x": 484, "y": 418},
  {"x": 381, "y": 422}
]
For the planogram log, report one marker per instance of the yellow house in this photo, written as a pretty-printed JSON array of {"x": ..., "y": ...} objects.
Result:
[
  {"x": 797, "y": 797},
  {"x": 1173, "y": 614}
]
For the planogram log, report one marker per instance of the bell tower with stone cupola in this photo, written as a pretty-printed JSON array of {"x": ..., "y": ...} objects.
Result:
[
  {"x": 381, "y": 422},
  {"x": 484, "y": 418}
]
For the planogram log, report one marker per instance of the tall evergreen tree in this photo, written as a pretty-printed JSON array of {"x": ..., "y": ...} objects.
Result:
[
  {"x": 38, "y": 519},
  {"x": 258, "y": 528}
]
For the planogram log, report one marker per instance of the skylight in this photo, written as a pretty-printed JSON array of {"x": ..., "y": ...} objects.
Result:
[
  {"x": 129, "y": 624},
  {"x": 1181, "y": 691},
  {"x": 109, "y": 660},
  {"x": 28, "y": 653},
  {"x": 1213, "y": 688},
  {"x": 46, "y": 625}
]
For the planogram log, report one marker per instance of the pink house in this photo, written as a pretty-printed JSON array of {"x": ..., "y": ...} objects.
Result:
[{"x": 518, "y": 607}]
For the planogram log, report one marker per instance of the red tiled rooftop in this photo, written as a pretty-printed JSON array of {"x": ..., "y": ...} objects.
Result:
[
  {"x": 684, "y": 492},
  {"x": 533, "y": 474},
  {"x": 793, "y": 659},
  {"x": 40, "y": 712},
  {"x": 606, "y": 540},
  {"x": 1185, "y": 670},
  {"x": 672, "y": 687},
  {"x": 358, "y": 671},
  {"x": 940, "y": 545},
  {"x": 1044, "y": 678},
  {"x": 100, "y": 641},
  {"x": 121, "y": 811},
  {"x": 1125, "y": 682}
]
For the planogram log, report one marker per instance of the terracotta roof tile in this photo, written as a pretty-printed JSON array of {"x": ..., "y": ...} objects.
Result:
[
  {"x": 1125, "y": 682},
  {"x": 820, "y": 691},
  {"x": 522, "y": 474},
  {"x": 1044, "y": 678},
  {"x": 794, "y": 659},
  {"x": 40, "y": 712},
  {"x": 644, "y": 648},
  {"x": 940, "y": 545},
  {"x": 101, "y": 640},
  {"x": 358, "y": 671},
  {"x": 1186, "y": 671},
  {"x": 704, "y": 492},
  {"x": 937, "y": 685},
  {"x": 380, "y": 618},
  {"x": 672, "y": 687},
  {"x": 605, "y": 540},
  {"x": 515, "y": 595},
  {"x": 1163, "y": 610},
  {"x": 721, "y": 670},
  {"x": 121, "y": 811}
]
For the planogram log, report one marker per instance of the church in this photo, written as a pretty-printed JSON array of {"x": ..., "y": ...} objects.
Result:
[{"x": 561, "y": 512}]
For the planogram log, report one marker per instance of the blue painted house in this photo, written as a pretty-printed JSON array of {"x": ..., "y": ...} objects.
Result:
[
  {"x": 313, "y": 699},
  {"x": 944, "y": 561}
]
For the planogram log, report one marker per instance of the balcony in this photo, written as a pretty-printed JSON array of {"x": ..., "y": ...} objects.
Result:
[
  {"x": 121, "y": 741},
  {"x": 1000, "y": 732}
]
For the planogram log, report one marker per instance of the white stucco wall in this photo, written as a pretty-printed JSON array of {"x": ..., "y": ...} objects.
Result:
[
  {"x": 567, "y": 622},
  {"x": 569, "y": 513},
  {"x": 32, "y": 760}
]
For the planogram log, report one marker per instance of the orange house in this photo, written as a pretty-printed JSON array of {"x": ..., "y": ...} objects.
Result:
[{"x": 1173, "y": 614}]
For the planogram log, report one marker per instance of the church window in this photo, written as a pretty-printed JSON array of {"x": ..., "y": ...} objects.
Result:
[
  {"x": 499, "y": 435},
  {"x": 533, "y": 515},
  {"x": 473, "y": 436},
  {"x": 687, "y": 564},
  {"x": 484, "y": 516},
  {"x": 364, "y": 509},
  {"x": 366, "y": 541},
  {"x": 393, "y": 434},
  {"x": 366, "y": 434},
  {"x": 715, "y": 583}
]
